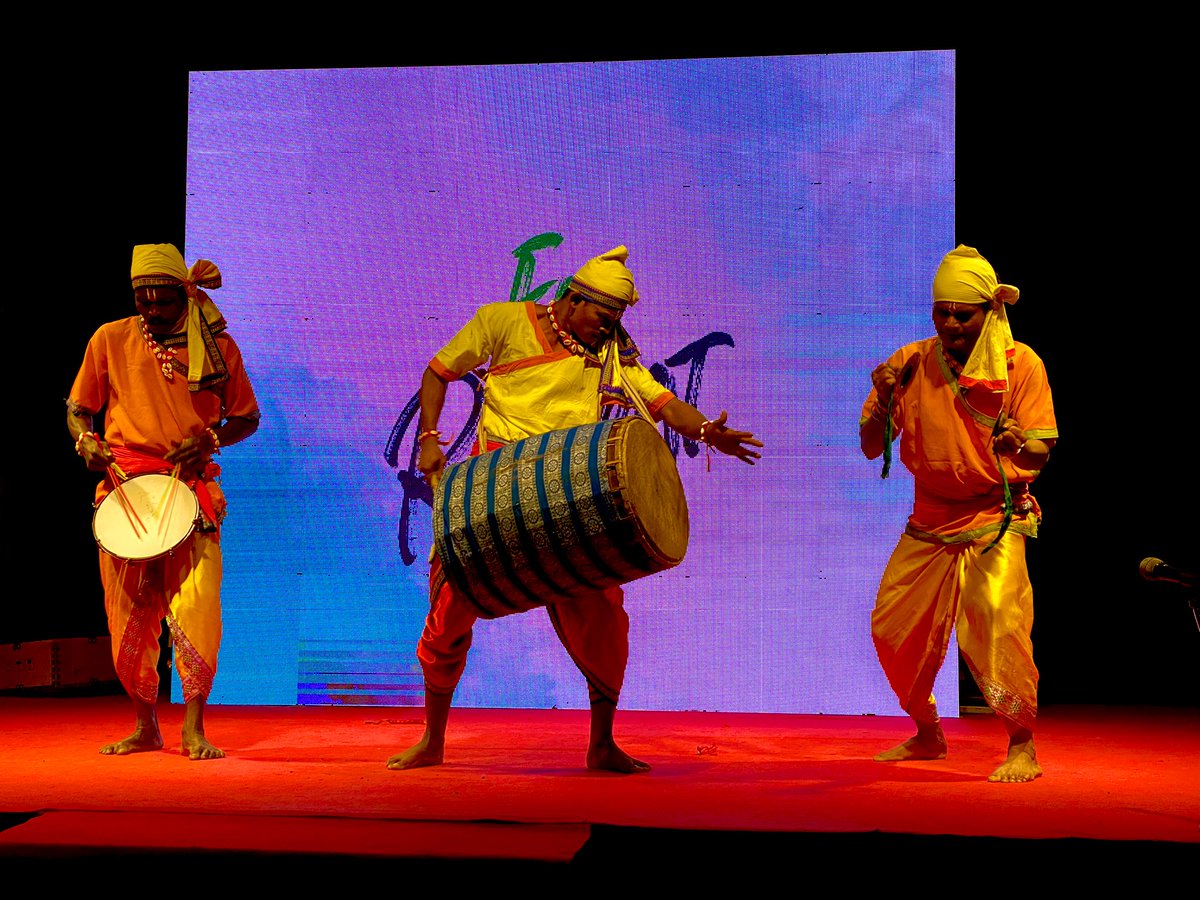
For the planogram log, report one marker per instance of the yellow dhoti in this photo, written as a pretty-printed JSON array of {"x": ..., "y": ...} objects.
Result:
[{"x": 930, "y": 589}]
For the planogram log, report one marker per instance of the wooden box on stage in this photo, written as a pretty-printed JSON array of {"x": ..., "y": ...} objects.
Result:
[{"x": 61, "y": 663}]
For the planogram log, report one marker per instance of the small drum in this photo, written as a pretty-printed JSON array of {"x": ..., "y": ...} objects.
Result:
[
  {"x": 147, "y": 518},
  {"x": 560, "y": 514}
]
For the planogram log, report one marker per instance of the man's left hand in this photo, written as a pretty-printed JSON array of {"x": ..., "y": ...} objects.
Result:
[
  {"x": 731, "y": 441},
  {"x": 193, "y": 453},
  {"x": 1010, "y": 439}
]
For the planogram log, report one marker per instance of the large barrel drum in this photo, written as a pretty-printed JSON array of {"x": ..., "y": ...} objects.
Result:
[{"x": 560, "y": 514}]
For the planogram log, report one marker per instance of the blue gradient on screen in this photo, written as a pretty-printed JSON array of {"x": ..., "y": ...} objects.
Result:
[{"x": 795, "y": 207}]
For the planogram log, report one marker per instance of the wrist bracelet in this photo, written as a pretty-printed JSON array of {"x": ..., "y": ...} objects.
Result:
[
  {"x": 432, "y": 432},
  {"x": 216, "y": 440},
  {"x": 79, "y": 440},
  {"x": 704, "y": 438}
]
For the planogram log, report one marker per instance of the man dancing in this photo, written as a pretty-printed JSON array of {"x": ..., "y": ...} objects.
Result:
[{"x": 975, "y": 418}]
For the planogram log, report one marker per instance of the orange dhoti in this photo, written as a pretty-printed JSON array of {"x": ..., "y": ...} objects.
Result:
[
  {"x": 594, "y": 629},
  {"x": 930, "y": 589}
]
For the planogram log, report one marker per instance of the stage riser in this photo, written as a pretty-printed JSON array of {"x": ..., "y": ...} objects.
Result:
[{"x": 55, "y": 664}]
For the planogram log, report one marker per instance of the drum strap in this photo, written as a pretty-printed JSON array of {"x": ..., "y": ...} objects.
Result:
[{"x": 610, "y": 381}]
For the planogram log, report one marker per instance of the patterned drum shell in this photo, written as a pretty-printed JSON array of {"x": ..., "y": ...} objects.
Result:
[{"x": 560, "y": 514}]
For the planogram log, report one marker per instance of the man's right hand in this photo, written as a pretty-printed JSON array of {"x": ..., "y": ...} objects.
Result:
[
  {"x": 431, "y": 460},
  {"x": 96, "y": 454},
  {"x": 883, "y": 377}
]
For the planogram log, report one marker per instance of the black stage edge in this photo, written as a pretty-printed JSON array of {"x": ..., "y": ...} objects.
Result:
[{"x": 662, "y": 855}]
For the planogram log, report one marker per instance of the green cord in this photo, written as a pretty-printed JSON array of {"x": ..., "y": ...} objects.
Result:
[
  {"x": 1008, "y": 501},
  {"x": 887, "y": 438}
]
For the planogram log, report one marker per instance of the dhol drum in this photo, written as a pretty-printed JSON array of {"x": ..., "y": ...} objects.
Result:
[
  {"x": 148, "y": 517},
  {"x": 560, "y": 514}
]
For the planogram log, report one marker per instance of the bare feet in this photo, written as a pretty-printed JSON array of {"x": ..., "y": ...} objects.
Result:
[
  {"x": 1021, "y": 765},
  {"x": 146, "y": 734},
  {"x": 196, "y": 746},
  {"x": 140, "y": 741},
  {"x": 611, "y": 758},
  {"x": 421, "y": 754},
  {"x": 603, "y": 754},
  {"x": 928, "y": 743}
]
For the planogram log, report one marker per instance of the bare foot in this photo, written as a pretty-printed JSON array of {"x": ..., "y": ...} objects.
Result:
[
  {"x": 198, "y": 747},
  {"x": 195, "y": 744},
  {"x": 141, "y": 741},
  {"x": 419, "y": 755},
  {"x": 927, "y": 743},
  {"x": 1021, "y": 765},
  {"x": 611, "y": 758}
]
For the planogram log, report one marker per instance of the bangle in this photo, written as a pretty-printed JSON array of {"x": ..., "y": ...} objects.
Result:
[
  {"x": 432, "y": 432},
  {"x": 216, "y": 440},
  {"x": 82, "y": 435}
]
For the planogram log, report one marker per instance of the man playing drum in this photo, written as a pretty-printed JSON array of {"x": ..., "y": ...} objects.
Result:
[
  {"x": 174, "y": 391},
  {"x": 552, "y": 367}
]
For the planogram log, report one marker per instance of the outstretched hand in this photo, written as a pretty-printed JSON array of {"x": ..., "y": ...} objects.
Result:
[{"x": 731, "y": 441}]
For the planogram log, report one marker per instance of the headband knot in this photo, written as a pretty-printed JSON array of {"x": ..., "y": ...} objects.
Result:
[
  {"x": 155, "y": 264},
  {"x": 964, "y": 276}
]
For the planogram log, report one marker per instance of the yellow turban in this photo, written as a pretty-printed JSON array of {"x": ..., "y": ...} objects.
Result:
[
  {"x": 964, "y": 276},
  {"x": 163, "y": 264},
  {"x": 606, "y": 280}
]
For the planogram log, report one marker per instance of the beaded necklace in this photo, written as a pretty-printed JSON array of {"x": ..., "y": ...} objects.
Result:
[
  {"x": 951, "y": 363},
  {"x": 164, "y": 355},
  {"x": 569, "y": 342}
]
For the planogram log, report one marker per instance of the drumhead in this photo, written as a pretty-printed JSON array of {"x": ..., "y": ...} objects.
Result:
[
  {"x": 149, "y": 517},
  {"x": 651, "y": 487}
]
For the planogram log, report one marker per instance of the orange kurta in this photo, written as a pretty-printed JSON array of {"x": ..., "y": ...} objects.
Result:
[
  {"x": 531, "y": 389},
  {"x": 147, "y": 413},
  {"x": 938, "y": 577}
]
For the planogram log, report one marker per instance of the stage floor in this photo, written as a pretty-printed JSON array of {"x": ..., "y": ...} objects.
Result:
[{"x": 308, "y": 786}]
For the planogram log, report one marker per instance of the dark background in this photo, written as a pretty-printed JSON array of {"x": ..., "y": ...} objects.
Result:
[{"x": 1072, "y": 178}]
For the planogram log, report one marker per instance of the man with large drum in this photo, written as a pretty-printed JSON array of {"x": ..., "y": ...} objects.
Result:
[
  {"x": 173, "y": 389},
  {"x": 551, "y": 368}
]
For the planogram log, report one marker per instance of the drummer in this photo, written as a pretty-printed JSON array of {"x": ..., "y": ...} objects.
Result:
[
  {"x": 551, "y": 367},
  {"x": 173, "y": 390}
]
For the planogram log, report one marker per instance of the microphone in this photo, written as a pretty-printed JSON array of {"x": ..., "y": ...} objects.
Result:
[{"x": 1154, "y": 569}]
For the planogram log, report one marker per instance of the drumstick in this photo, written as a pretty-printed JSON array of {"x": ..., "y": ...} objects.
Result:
[
  {"x": 168, "y": 500},
  {"x": 434, "y": 478},
  {"x": 130, "y": 513}
]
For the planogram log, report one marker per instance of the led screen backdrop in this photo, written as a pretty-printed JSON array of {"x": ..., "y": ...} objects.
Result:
[{"x": 784, "y": 216}]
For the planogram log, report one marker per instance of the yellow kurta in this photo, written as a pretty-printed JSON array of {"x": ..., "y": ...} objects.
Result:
[{"x": 531, "y": 389}]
